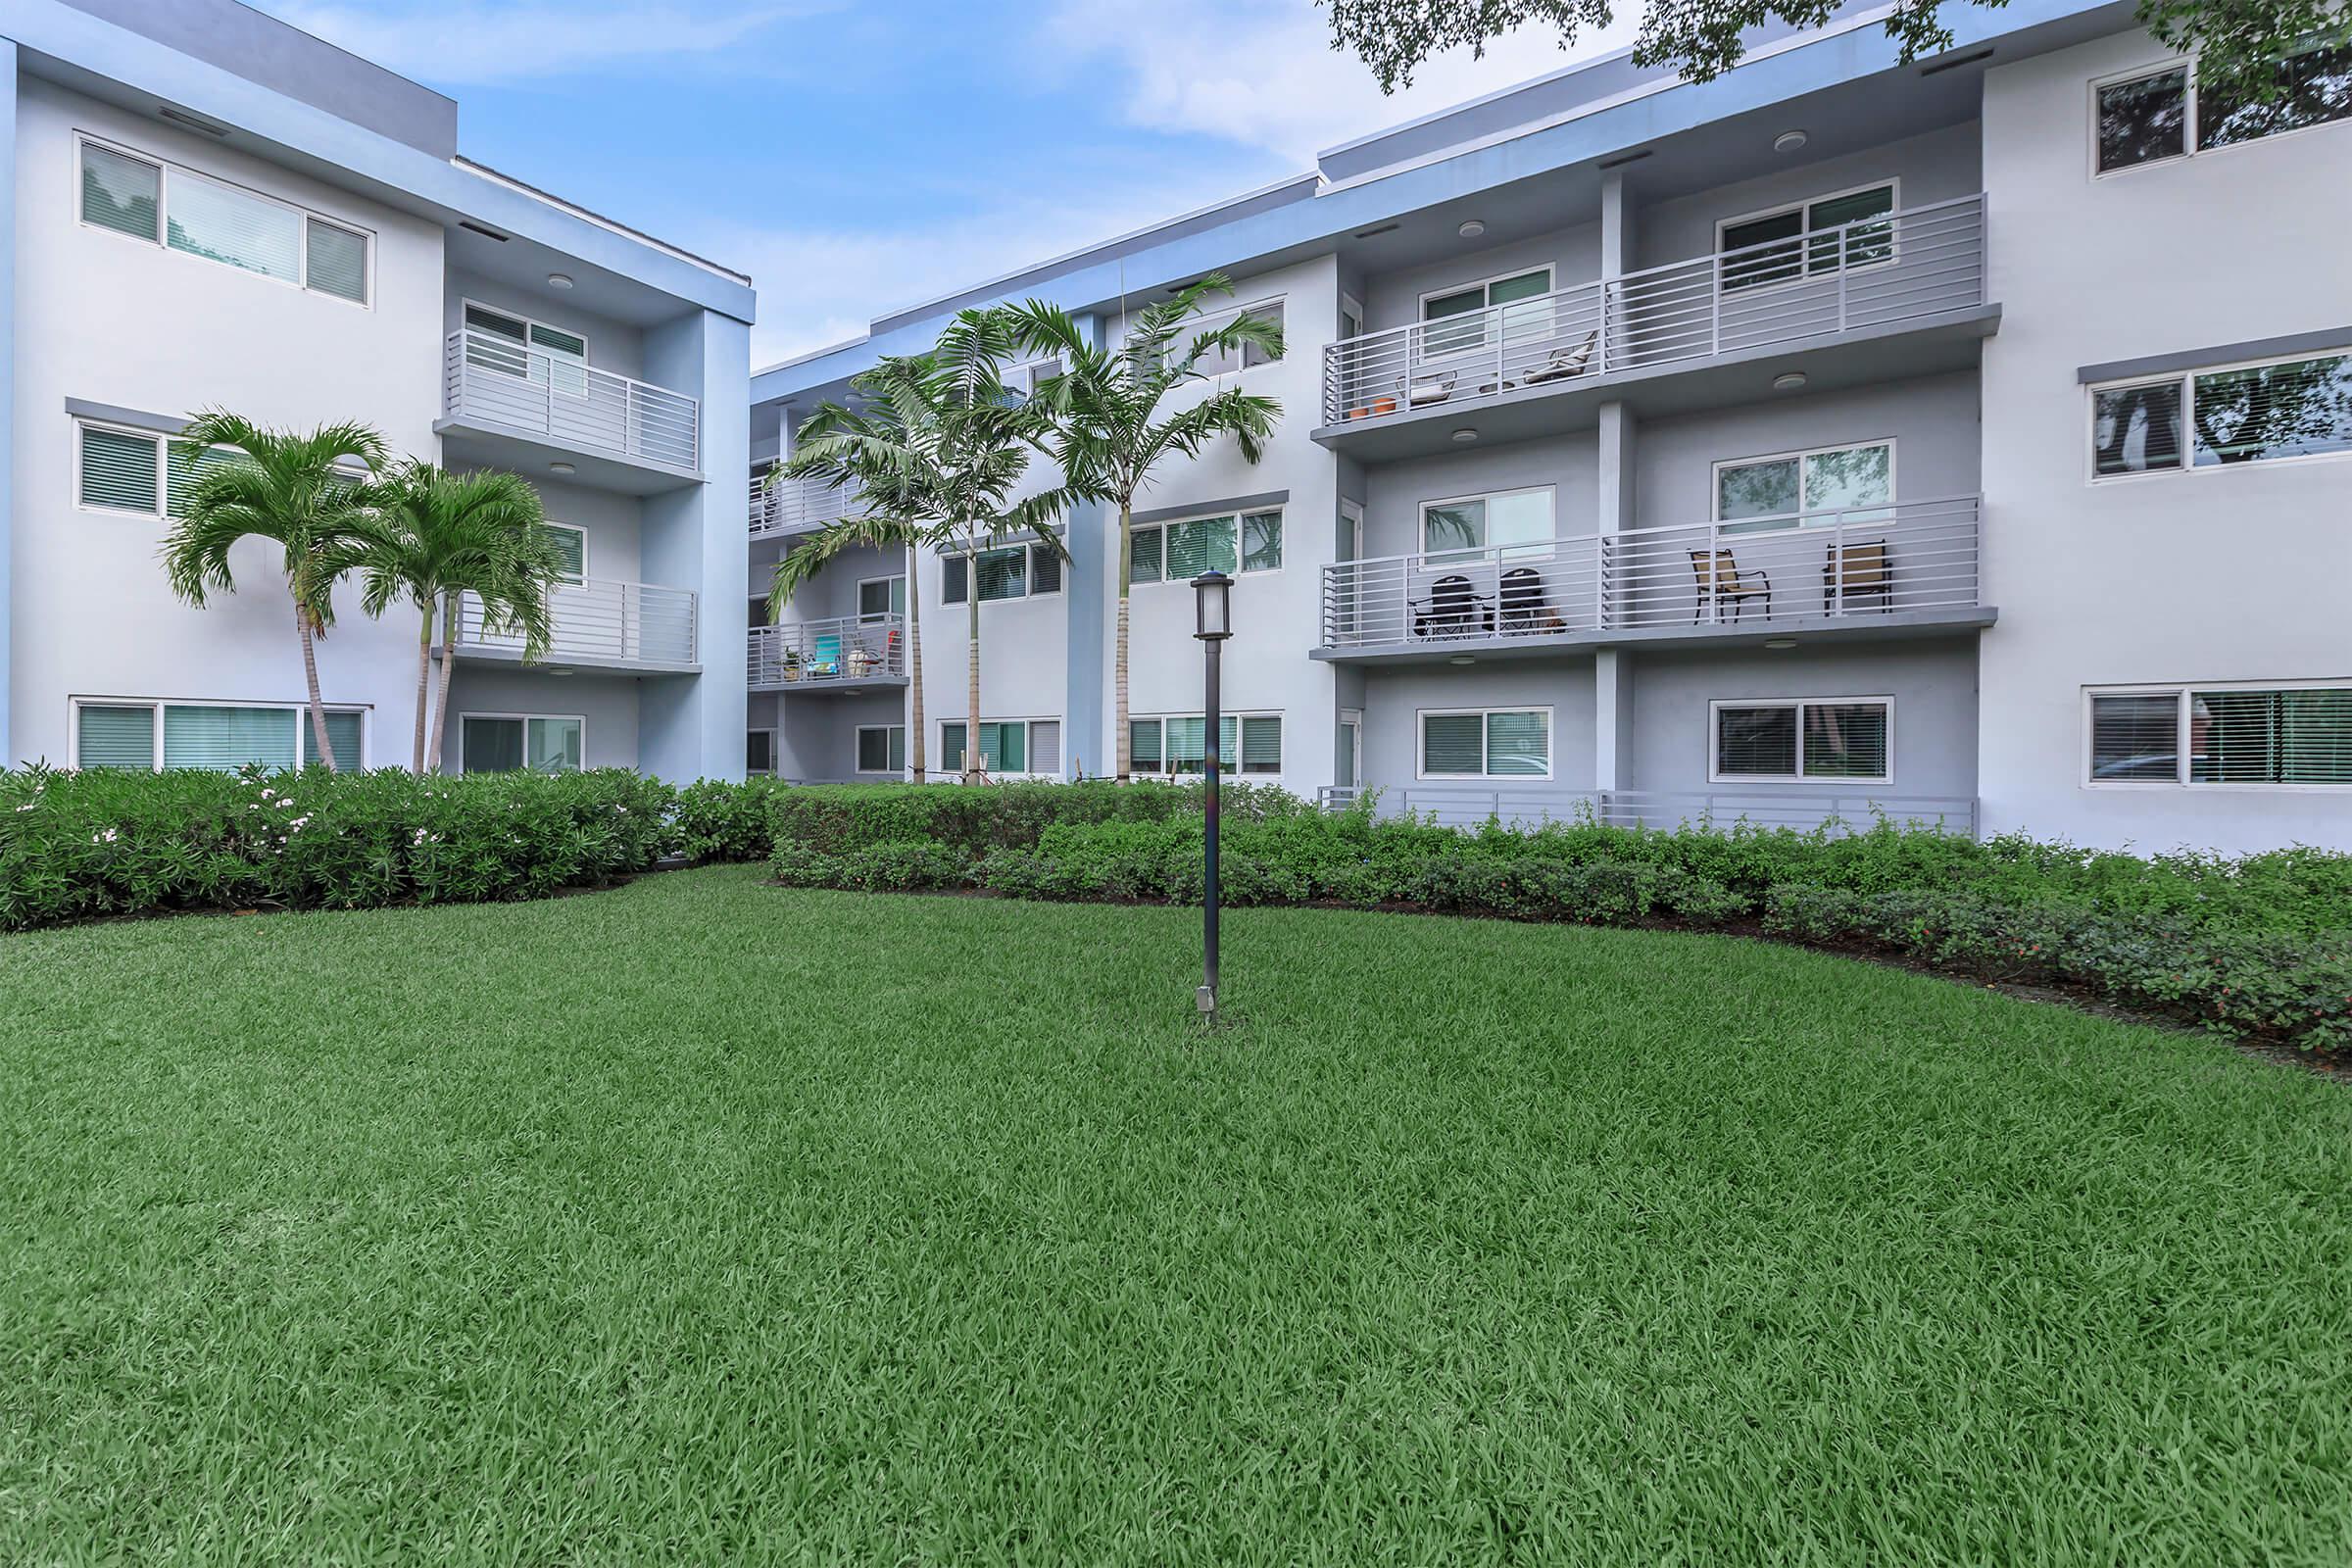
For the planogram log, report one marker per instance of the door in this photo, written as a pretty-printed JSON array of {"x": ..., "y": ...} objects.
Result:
[
  {"x": 1347, "y": 549},
  {"x": 1349, "y": 763}
]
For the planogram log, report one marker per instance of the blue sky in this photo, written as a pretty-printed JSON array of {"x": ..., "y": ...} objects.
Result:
[{"x": 856, "y": 158}]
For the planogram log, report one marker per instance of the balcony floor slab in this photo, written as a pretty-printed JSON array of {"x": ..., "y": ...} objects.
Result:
[
  {"x": 847, "y": 686},
  {"x": 565, "y": 663},
  {"x": 468, "y": 440},
  {"x": 1745, "y": 634}
]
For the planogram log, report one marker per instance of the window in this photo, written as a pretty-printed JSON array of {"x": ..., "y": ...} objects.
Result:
[
  {"x": 882, "y": 748},
  {"x": 514, "y": 345},
  {"x": 2299, "y": 408},
  {"x": 181, "y": 210},
  {"x": 760, "y": 751},
  {"x": 1468, "y": 525},
  {"x": 1179, "y": 552},
  {"x": 1834, "y": 738},
  {"x": 510, "y": 743},
  {"x": 1487, "y": 743},
  {"x": 1009, "y": 571},
  {"x": 2222, "y": 735},
  {"x": 1246, "y": 743},
  {"x": 1775, "y": 490},
  {"x": 217, "y": 736},
  {"x": 1463, "y": 336},
  {"x": 571, "y": 549},
  {"x": 1244, "y": 357},
  {"x": 1773, "y": 247},
  {"x": 117, "y": 470},
  {"x": 2163, "y": 113},
  {"x": 1006, "y": 746},
  {"x": 878, "y": 597}
]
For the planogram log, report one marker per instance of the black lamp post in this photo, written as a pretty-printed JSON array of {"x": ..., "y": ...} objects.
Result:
[{"x": 1212, "y": 600}]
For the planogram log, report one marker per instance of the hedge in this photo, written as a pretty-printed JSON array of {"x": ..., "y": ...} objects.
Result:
[{"x": 832, "y": 819}]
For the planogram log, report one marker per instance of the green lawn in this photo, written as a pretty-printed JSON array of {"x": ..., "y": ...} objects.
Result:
[{"x": 704, "y": 1222}]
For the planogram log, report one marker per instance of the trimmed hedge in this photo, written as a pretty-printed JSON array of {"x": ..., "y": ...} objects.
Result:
[{"x": 835, "y": 817}]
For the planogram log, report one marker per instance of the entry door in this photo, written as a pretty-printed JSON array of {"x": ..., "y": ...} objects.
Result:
[
  {"x": 1351, "y": 762},
  {"x": 1347, "y": 549}
]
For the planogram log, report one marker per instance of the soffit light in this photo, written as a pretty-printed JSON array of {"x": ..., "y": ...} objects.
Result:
[
  {"x": 1466, "y": 433},
  {"x": 1472, "y": 229},
  {"x": 1780, "y": 642},
  {"x": 1788, "y": 381},
  {"x": 1788, "y": 141},
  {"x": 559, "y": 280},
  {"x": 559, "y": 468},
  {"x": 1461, "y": 658}
]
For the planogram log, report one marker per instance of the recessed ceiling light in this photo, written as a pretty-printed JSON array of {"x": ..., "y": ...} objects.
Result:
[
  {"x": 559, "y": 280},
  {"x": 1466, "y": 433},
  {"x": 1780, "y": 642},
  {"x": 1788, "y": 381},
  {"x": 559, "y": 468},
  {"x": 1788, "y": 141},
  {"x": 1472, "y": 229},
  {"x": 1461, "y": 658}
]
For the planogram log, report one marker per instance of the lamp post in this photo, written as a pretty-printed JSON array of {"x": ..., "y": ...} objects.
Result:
[{"x": 1212, "y": 604}]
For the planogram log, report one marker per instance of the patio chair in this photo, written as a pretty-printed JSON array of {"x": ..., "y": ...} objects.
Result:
[
  {"x": 1453, "y": 609},
  {"x": 824, "y": 659},
  {"x": 1721, "y": 581},
  {"x": 1428, "y": 388},
  {"x": 1564, "y": 362},
  {"x": 1519, "y": 602},
  {"x": 1864, "y": 570}
]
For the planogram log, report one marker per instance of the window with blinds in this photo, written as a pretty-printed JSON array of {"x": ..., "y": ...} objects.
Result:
[
  {"x": 222, "y": 223},
  {"x": 1009, "y": 571},
  {"x": 185, "y": 465},
  {"x": 1804, "y": 740},
  {"x": 225, "y": 739},
  {"x": 115, "y": 737},
  {"x": 2298, "y": 407},
  {"x": 335, "y": 261},
  {"x": 1490, "y": 743},
  {"x": 1179, "y": 552},
  {"x": 118, "y": 470},
  {"x": 2297, "y": 735},
  {"x": 176, "y": 207},
  {"x": 122, "y": 193},
  {"x": 882, "y": 748},
  {"x": 1246, "y": 743},
  {"x": 1006, "y": 746},
  {"x": 343, "y": 734},
  {"x": 220, "y": 737},
  {"x": 571, "y": 549}
]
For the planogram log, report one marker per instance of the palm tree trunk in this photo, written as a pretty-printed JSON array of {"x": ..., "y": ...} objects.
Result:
[
  {"x": 424, "y": 675},
  {"x": 971, "y": 696},
  {"x": 915, "y": 665},
  {"x": 1121, "y": 740},
  {"x": 449, "y": 641},
  {"x": 310, "y": 676}
]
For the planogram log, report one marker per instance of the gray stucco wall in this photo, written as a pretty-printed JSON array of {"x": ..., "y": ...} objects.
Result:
[{"x": 1394, "y": 696}]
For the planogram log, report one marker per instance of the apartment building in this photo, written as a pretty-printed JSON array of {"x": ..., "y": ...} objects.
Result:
[
  {"x": 1963, "y": 441},
  {"x": 209, "y": 208}
]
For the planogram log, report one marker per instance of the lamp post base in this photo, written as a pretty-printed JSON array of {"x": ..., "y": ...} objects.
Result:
[{"x": 1205, "y": 998}]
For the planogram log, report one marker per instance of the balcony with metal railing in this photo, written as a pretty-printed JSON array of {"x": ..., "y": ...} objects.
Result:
[
  {"x": 796, "y": 505},
  {"x": 616, "y": 432},
  {"x": 1904, "y": 567},
  {"x": 1903, "y": 293},
  {"x": 846, "y": 652},
  {"x": 599, "y": 625}
]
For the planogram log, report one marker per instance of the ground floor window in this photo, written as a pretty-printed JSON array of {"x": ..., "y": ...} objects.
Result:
[
  {"x": 882, "y": 748},
  {"x": 146, "y": 735},
  {"x": 1246, "y": 743},
  {"x": 1834, "y": 738},
  {"x": 1487, "y": 743},
  {"x": 1006, "y": 746},
  {"x": 760, "y": 751},
  {"x": 510, "y": 743},
  {"x": 2222, "y": 735}
]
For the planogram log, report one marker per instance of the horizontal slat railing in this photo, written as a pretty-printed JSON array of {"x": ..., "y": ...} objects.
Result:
[
  {"x": 597, "y": 618},
  {"x": 1871, "y": 272},
  {"x": 1533, "y": 806},
  {"x": 1845, "y": 564},
  {"x": 494, "y": 378},
  {"x": 846, "y": 648},
  {"x": 790, "y": 506}
]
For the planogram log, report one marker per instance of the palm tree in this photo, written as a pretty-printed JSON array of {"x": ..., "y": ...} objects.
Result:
[
  {"x": 1103, "y": 418},
  {"x": 440, "y": 535},
  {"x": 294, "y": 490}
]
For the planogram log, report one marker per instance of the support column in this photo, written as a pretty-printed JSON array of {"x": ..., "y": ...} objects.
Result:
[
  {"x": 1614, "y": 667},
  {"x": 1616, "y": 260},
  {"x": 8, "y": 386},
  {"x": 1092, "y": 601}
]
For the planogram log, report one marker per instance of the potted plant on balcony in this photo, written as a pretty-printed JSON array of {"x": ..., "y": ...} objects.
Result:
[{"x": 792, "y": 664}]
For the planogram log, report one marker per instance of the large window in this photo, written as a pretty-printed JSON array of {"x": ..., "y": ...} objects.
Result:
[
  {"x": 2161, "y": 114},
  {"x": 2299, "y": 408},
  {"x": 1788, "y": 488},
  {"x": 571, "y": 549},
  {"x": 514, "y": 345},
  {"x": 1011, "y": 572},
  {"x": 1446, "y": 335},
  {"x": 1466, "y": 526},
  {"x": 1246, "y": 354},
  {"x": 1839, "y": 738},
  {"x": 510, "y": 743},
  {"x": 145, "y": 735},
  {"x": 1807, "y": 238},
  {"x": 1179, "y": 552},
  {"x": 882, "y": 748},
  {"x": 1487, "y": 743},
  {"x": 1006, "y": 746},
  {"x": 878, "y": 597},
  {"x": 119, "y": 470},
  {"x": 2222, "y": 735},
  {"x": 181, "y": 210},
  {"x": 1178, "y": 743}
]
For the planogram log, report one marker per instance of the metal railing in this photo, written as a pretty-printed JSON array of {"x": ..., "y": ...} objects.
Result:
[
  {"x": 1844, "y": 564},
  {"x": 492, "y": 378},
  {"x": 790, "y": 506},
  {"x": 846, "y": 648},
  {"x": 1842, "y": 812},
  {"x": 602, "y": 621},
  {"x": 1872, "y": 272}
]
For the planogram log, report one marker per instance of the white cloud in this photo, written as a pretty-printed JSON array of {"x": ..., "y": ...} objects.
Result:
[{"x": 478, "y": 42}]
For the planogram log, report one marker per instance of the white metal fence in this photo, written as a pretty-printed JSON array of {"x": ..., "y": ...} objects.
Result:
[
  {"x": 1843, "y": 812},
  {"x": 1869, "y": 273},
  {"x": 492, "y": 378},
  {"x": 790, "y": 505},
  {"x": 601, "y": 620},
  {"x": 846, "y": 648}
]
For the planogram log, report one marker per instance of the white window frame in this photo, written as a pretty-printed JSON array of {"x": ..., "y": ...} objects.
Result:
[
  {"x": 1235, "y": 770},
  {"x": 1212, "y": 321},
  {"x": 580, "y": 720},
  {"x": 1716, "y": 775},
  {"x": 1425, "y": 556},
  {"x": 1028, "y": 742},
  {"x": 1551, "y": 745},
  {"x": 168, "y": 170},
  {"x": 769, "y": 731},
  {"x": 300, "y": 710},
  {"x": 1023, "y": 377},
  {"x": 1802, "y": 457},
  {"x": 530, "y": 348},
  {"x": 971, "y": 576},
  {"x": 1237, "y": 514},
  {"x": 1421, "y": 316},
  {"x": 2183, "y": 743},
  {"x": 1805, "y": 273},
  {"x": 2186, "y": 381},
  {"x": 2191, "y": 117},
  {"x": 898, "y": 578},
  {"x": 856, "y": 747},
  {"x": 572, "y": 527},
  {"x": 162, "y": 467}
]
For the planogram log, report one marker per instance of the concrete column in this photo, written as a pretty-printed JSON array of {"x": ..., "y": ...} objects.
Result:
[
  {"x": 8, "y": 380},
  {"x": 1614, "y": 667},
  {"x": 1091, "y": 599},
  {"x": 1616, "y": 260}
]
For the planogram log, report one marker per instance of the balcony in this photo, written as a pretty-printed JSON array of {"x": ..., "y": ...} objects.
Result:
[
  {"x": 599, "y": 625},
  {"x": 848, "y": 652},
  {"x": 1883, "y": 570},
  {"x": 1901, "y": 294},
  {"x": 1842, "y": 812},
  {"x": 617, "y": 433},
  {"x": 794, "y": 505}
]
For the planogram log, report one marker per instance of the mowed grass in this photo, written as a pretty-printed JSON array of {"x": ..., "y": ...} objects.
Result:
[{"x": 704, "y": 1222}]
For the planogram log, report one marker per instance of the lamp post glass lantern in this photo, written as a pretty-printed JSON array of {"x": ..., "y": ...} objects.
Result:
[{"x": 1212, "y": 605}]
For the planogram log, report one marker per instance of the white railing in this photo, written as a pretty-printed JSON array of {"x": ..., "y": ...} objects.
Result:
[
  {"x": 494, "y": 378},
  {"x": 1533, "y": 806},
  {"x": 1847, "y": 564},
  {"x": 1872, "y": 271},
  {"x": 790, "y": 505},
  {"x": 847, "y": 648},
  {"x": 599, "y": 620}
]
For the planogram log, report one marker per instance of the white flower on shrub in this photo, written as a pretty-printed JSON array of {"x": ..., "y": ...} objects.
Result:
[{"x": 106, "y": 837}]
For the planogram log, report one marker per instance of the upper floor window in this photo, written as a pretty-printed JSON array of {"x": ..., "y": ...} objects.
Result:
[
  {"x": 1246, "y": 354},
  {"x": 538, "y": 352},
  {"x": 2222, "y": 735},
  {"x": 1807, "y": 238},
  {"x": 878, "y": 597},
  {"x": 1179, "y": 552},
  {"x": 138, "y": 471},
  {"x": 571, "y": 549},
  {"x": 1461, "y": 337},
  {"x": 2297, "y": 408},
  {"x": 181, "y": 210},
  {"x": 1818, "y": 487},
  {"x": 2161, "y": 114},
  {"x": 1011, "y": 572},
  {"x": 1469, "y": 524}
]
